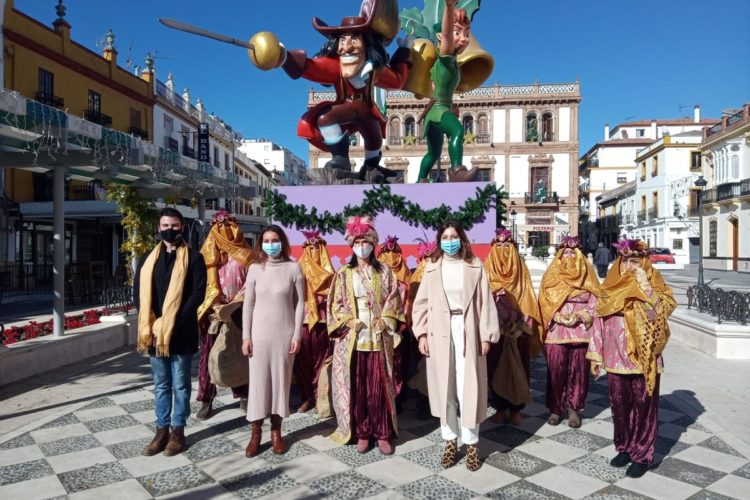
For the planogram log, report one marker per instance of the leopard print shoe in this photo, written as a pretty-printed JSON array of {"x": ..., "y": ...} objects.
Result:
[
  {"x": 472, "y": 457},
  {"x": 449, "y": 454}
]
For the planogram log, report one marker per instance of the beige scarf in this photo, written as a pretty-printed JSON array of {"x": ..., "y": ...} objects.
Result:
[{"x": 150, "y": 327}]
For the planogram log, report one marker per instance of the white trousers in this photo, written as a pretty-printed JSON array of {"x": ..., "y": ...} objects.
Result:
[{"x": 451, "y": 426}]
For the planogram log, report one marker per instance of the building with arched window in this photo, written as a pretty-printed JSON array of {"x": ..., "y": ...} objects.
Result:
[{"x": 523, "y": 137}]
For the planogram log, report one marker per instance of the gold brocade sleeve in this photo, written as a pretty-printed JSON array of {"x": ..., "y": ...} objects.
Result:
[
  {"x": 340, "y": 309},
  {"x": 318, "y": 272}
]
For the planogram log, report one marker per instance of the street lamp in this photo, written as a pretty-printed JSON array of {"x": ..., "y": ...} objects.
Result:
[
  {"x": 513, "y": 223},
  {"x": 700, "y": 183}
]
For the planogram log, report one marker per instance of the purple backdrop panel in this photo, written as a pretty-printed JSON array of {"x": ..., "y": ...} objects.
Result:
[{"x": 335, "y": 198}]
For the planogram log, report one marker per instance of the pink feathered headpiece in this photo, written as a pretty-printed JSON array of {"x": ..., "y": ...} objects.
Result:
[
  {"x": 632, "y": 248},
  {"x": 426, "y": 248},
  {"x": 312, "y": 238},
  {"x": 570, "y": 242},
  {"x": 361, "y": 227},
  {"x": 222, "y": 216},
  {"x": 390, "y": 245},
  {"x": 502, "y": 235}
]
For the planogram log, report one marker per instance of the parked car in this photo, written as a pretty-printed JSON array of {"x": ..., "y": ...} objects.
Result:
[{"x": 661, "y": 256}]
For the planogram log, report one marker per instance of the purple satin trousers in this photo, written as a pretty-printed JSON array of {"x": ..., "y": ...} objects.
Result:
[
  {"x": 635, "y": 415},
  {"x": 315, "y": 347},
  {"x": 567, "y": 377},
  {"x": 372, "y": 420}
]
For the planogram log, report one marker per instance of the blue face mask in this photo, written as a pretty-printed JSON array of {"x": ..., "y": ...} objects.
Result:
[
  {"x": 451, "y": 247},
  {"x": 272, "y": 249}
]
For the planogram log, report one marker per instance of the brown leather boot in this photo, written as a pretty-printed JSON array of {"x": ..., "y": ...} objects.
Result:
[
  {"x": 159, "y": 442},
  {"x": 276, "y": 442},
  {"x": 176, "y": 442},
  {"x": 253, "y": 447},
  {"x": 206, "y": 411}
]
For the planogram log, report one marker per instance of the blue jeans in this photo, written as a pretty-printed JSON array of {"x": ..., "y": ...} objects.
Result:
[{"x": 172, "y": 375}]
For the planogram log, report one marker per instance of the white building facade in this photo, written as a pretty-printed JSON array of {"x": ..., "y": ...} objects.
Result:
[
  {"x": 277, "y": 159},
  {"x": 665, "y": 199},
  {"x": 523, "y": 137},
  {"x": 206, "y": 143},
  {"x": 249, "y": 211},
  {"x": 726, "y": 200},
  {"x": 611, "y": 163}
]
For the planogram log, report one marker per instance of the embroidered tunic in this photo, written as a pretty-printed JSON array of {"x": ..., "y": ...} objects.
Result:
[{"x": 583, "y": 306}]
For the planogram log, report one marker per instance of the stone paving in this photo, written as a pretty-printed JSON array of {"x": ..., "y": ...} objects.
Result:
[{"x": 94, "y": 451}]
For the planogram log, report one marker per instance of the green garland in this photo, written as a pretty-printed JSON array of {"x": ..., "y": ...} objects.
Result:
[{"x": 380, "y": 199}]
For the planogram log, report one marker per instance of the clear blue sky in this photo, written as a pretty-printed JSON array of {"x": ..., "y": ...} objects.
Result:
[{"x": 636, "y": 59}]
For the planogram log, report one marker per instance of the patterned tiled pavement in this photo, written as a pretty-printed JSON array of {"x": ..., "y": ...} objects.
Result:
[{"x": 95, "y": 452}]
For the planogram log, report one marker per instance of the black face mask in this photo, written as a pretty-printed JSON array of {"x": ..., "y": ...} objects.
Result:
[{"x": 171, "y": 235}]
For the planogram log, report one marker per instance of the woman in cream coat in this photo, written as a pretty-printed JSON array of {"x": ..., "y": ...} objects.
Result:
[{"x": 455, "y": 321}]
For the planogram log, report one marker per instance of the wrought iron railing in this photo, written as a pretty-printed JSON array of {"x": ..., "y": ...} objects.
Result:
[
  {"x": 745, "y": 187},
  {"x": 724, "y": 305},
  {"x": 727, "y": 191},
  {"x": 139, "y": 132},
  {"x": 50, "y": 100},
  {"x": 118, "y": 299},
  {"x": 708, "y": 196},
  {"x": 25, "y": 279},
  {"x": 98, "y": 117},
  {"x": 538, "y": 198}
]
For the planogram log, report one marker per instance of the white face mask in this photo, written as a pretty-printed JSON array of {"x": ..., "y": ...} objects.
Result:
[{"x": 363, "y": 251}]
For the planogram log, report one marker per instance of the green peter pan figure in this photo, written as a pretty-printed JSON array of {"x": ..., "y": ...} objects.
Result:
[{"x": 439, "y": 118}]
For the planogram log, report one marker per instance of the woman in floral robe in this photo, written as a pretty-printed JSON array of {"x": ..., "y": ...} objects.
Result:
[{"x": 364, "y": 311}]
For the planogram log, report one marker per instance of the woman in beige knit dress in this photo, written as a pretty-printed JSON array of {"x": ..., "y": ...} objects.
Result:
[{"x": 271, "y": 327}]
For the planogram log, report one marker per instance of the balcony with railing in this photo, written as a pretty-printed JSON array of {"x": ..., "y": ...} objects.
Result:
[
  {"x": 172, "y": 144},
  {"x": 188, "y": 151},
  {"x": 50, "y": 100},
  {"x": 708, "y": 196},
  {"x": 693, "y": 212},
  {"x": 584, "y": 187},
  {"x": 98, "y": 117},
  {"x": 538, "y": 198},
  {"x": 611, "y": 221},
  {"x": 628, "y": 219},
  {"x": 728, "y": 191},
  {"x": 745, "y": 187},
  {"x": 138, "y": 132},
  {"x": 73, "y": 192},
  {"x": 727, "y": 122},
  {"x": 653, "y": 213},
  {"x": 642, "y": 216},
  {"x": 395, "y": 141},
  {"x": 483, "y": 139}
]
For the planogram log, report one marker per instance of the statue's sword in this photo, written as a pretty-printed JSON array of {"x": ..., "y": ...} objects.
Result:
[{"x": 188, "y": 28}]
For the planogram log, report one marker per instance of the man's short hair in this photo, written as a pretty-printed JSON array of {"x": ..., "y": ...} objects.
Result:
[{"x": 171, "y": 212}]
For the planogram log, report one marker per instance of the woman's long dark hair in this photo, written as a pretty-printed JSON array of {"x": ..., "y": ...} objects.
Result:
[
  {"x": 375, "y": 51},
  {"x": 286, "y": 249},
  {"x": 465, "y": 252}
]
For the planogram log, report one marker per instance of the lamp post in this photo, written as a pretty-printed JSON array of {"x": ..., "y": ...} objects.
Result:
[
  {"x": 513, "y": 223},
  {"x": 700, "y": 183}
]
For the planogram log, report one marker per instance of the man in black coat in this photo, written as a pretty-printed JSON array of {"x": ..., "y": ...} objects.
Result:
[
  {"x": 601, "y": 260},
  {"x": 171, "y": 373}
]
